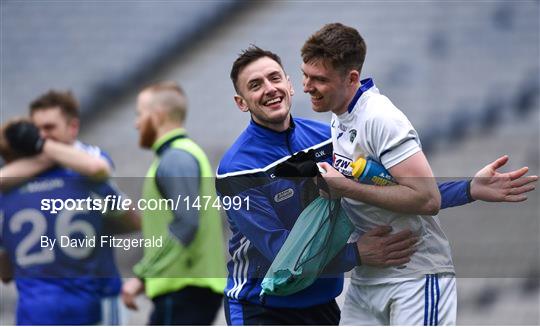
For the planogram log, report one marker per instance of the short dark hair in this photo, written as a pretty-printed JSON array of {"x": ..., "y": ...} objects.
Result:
[
  {"x": 248, "y": 56},
  {"x": 6, "y": 152},
  {"x": 338, "y": 44},
  {"x": 62, "y": 99}
]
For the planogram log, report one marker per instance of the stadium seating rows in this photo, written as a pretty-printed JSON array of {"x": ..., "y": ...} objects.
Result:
[{"x": 466, "y": 76}]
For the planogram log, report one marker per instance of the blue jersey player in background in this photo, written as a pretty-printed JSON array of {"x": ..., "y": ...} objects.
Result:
[
  {"x": 56, "y": 285},
  {"x": 56, "y": 114}
]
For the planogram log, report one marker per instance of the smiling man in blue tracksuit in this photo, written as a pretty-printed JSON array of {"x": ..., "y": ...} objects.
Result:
[{"x": 260, "y": 228}]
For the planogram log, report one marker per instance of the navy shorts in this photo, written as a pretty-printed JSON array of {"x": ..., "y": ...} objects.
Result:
[{"x": 243, "y": 313}]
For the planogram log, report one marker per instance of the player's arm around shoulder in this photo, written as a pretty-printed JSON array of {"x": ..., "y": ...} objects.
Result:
[
  {"x": 19, "y": 171},
  {"x": 69, "y": 156}
]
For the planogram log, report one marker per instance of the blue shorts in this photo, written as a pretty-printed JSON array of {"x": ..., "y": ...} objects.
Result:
[{"x": 243, "y": 313}]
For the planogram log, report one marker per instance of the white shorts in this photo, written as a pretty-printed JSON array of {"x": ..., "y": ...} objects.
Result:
[
  {"x": 113, "y": 311},
  {"x": 428, "y": 301}
]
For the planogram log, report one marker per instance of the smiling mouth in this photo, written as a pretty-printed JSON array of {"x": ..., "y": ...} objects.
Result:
[
  {"x": 316, "y": 98},
  {"x": 273, "y": 101}
]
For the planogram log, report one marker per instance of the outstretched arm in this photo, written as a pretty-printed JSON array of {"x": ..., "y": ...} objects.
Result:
[
  {"x": 488, "y": 185},
  {"x": 492, "y": 186}
]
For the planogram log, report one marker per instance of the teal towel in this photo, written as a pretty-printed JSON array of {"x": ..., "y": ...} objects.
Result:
[{"x": 320, "y": 232}]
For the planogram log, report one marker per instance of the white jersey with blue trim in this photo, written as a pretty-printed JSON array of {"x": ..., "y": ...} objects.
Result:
[
  {"x": 93, "y": 150},
  {"x": 374, "y": 128}
]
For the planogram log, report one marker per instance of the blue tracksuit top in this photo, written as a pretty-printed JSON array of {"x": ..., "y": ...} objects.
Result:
[{"x": 258, "y": 232}]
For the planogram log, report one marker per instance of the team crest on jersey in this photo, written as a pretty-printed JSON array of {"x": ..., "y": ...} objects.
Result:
[
  {"x": 352, "y": 135},
  {"x": 284, "y": 195},
  {"x": 342, "y": 164}
]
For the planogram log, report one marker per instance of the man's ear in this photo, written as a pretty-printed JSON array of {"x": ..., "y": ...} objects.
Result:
[
  {"x": 241, "y": 103},
  {"x": 158, "y": 116},
  {"x": 354, "y": 77},
  {"x": 291, "y": 89}
]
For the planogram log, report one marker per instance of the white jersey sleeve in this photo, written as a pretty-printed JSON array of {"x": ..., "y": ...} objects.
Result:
[
  {"x": 94, "y": 151},
  {"x": 389, "y": 134}
]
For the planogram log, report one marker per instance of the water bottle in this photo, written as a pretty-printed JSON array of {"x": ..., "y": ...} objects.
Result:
[{"x": 368, "y": 171}]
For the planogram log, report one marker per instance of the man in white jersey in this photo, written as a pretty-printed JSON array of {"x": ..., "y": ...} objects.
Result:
[{"x": 366, "y": 124}]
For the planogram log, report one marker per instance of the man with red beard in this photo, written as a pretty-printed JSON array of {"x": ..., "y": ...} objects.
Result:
[{"x": 185, "y": 277}]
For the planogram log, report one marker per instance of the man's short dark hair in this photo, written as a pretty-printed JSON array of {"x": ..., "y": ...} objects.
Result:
[
  {"x": 248, "y": 56},
  {"x": 61, "y": 99},
  {"x": 6, "y": 152},
  {"x": 342, "y": 46}
]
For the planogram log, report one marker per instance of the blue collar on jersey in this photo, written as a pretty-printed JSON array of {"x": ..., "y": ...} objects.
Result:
[
  {"x": 365, "y": 85},
  {"x": 164, "y": 142},
  {"x": 269, "y": 135}
]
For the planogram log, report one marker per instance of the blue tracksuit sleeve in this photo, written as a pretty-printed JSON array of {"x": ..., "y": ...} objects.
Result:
[
  {"x": 345, "y": 260},
  {"x": 260, "y": 224},
  {"x": 455, "y": 193}
]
